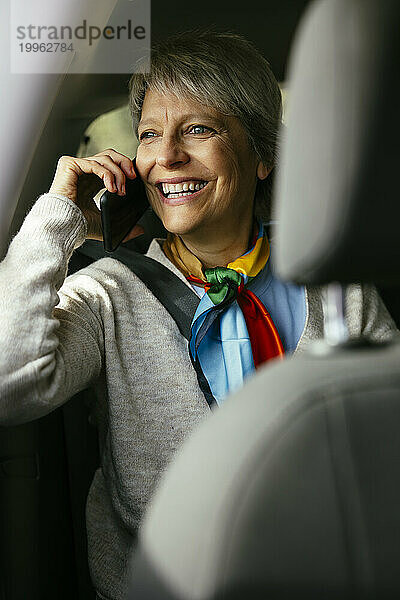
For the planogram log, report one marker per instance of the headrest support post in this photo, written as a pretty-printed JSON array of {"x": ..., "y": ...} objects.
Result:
[{"x": 335, "y": 328}]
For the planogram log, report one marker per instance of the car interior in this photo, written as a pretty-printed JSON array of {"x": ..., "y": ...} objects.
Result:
[{"x": 46, "y": 466}]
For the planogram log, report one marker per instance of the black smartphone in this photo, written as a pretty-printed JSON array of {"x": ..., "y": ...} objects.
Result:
[{"x": 120, "y": 213}]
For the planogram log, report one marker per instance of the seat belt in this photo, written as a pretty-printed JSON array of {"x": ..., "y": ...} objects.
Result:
[{"x": 177, "y": 298}]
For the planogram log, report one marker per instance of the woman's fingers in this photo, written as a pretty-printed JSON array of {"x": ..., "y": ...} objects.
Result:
[
  {"x": 124, "y": 162},
  {"x": 120, "y": 165},
  {"x": 89, "y": 166},
  {"x": 117, "y": 172}
]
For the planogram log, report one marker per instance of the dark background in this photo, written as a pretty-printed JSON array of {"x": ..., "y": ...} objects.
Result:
[{"x": 269, "y": 25}]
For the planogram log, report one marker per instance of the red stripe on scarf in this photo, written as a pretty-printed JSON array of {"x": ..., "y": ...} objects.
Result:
[{"x": 264, "y": 337}]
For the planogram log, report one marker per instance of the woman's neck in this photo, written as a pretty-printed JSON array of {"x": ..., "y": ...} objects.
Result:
[{"x": 220, "y": 247}]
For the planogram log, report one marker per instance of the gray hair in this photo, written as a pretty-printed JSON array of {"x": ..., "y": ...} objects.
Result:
[{"x": 223, "y": 71}]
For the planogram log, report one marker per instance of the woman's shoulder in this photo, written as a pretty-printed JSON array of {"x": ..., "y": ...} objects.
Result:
[
  {"x": 113, "y": 277},
  {"x": 103, "y": 277}
]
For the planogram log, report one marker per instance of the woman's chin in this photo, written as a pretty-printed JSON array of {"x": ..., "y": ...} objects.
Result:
[
  {"x": 178, "y": 228},
  {"x": 179, "y": 224}
]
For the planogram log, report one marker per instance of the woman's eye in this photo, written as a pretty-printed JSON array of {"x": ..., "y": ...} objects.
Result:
[
  {"x": 200, "y": 129},
  {"x": 145, "y": 135}
]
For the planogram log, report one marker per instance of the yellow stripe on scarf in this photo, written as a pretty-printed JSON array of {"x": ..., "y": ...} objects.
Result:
[{"x": 249, "y": 264}]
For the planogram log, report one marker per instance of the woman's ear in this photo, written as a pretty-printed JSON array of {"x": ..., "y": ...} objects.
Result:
[{"x": 263, "y": 171}]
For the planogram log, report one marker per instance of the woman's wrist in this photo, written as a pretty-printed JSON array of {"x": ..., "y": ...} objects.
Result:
[{"x": 61, "y": 217}]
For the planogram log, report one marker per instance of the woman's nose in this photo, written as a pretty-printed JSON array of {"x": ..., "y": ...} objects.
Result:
[{"x": 171, "y": 153}]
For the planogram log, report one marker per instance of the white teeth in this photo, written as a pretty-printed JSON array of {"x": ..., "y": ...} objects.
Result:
[
  {"x": 182, "y": 188},
  {"x": 179, "y": 195}
]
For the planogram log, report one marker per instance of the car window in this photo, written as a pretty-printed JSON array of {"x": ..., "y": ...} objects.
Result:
[{"x": 112, "y": 129}]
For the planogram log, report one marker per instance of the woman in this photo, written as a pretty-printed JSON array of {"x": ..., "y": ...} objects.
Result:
[{"x": 207, "y": 118}]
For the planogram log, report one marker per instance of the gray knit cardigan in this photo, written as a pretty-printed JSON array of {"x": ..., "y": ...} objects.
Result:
[{"x": 102, "y": 328}]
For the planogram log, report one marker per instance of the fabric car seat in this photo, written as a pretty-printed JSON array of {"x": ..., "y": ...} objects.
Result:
[{"x": 292, "y": 488}]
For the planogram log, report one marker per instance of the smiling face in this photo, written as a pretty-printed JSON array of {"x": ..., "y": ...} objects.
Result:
[{"x": 198, "y": 167}]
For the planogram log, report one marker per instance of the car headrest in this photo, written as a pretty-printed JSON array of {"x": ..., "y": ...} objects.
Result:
[{"x": 337, "y": 193}]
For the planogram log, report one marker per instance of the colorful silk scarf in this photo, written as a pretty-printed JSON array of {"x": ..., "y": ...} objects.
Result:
[{"x": 232, "y": 332}]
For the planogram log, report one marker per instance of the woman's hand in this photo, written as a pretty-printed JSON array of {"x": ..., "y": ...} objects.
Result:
[{"x": 80, "y": 179}]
